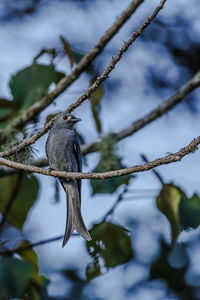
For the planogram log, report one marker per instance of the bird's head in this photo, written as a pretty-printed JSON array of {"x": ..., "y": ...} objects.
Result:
[{"x": 65, "y": 120}]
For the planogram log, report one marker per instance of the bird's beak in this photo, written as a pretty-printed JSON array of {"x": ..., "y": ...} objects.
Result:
[{"x": 75, "y": 120}]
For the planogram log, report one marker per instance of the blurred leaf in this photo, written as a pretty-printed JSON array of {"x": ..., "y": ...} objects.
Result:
[
  {"x": 108, "y": 161},
  {"x": 21, "y": 193},
  {"x": 6, "y": 109},
  {"x": 93, "y": 270},
  {"x": 31, "y": 83},
  {"x": 77, "y": 54},
  {"x": 111, "y": 243},
  {"x": 14, "y": 277},
  {"x": 67, "y": 50},
  {"x": 95, "y": 102},
  {"x": 72, "y": 275},
  {"x": 37, "y": 282},
  {"x": 189, "y": 211},
  {"x": 4, "y": 103},
  {"x": 171, "y": 267},
  {"x": 49, "y": 117},
  {"x": 168, "y": 203}
]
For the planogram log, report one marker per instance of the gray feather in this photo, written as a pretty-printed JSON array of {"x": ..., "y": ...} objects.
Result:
[{"x": 64, "y": 154}]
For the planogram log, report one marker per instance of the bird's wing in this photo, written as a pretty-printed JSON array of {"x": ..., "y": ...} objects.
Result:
[{"x": 78, "y": 155}]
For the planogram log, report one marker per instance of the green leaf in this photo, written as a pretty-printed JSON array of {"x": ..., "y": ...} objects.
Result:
[
  {"x": 38, "y": 282},
  {"x": 5, "y": 103},
  {"x": 93, "y": 270},
  {"x": 49, "y": 117},
  {"x": 171, "y": 266},
  {"x": 168, "y": 203},
  {"x": 77, "y": 54},
  {"x": 111, "y": 243},
  {"x": 108, "y": 161},
  {"x": 6, "y": 110},
  {"x": 31, "y": 83},
  {"x": 19, "y": 192},
  {"x": 189, "y": 211},
  {"x": 14, "y": 277},
  {"x": 95, "y": 102},
  {"x": 67, "y": 50}
]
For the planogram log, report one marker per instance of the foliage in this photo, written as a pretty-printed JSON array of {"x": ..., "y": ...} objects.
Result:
[
  {"x": 182, "y": 212},
  {"x": 110, "y": 246},
  {"x": 109, "y": 160}
]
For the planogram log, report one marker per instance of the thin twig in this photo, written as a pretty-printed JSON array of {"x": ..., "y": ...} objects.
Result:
[
  {"x": 96, "y": 84},
  {"x": 174, "y": 157},
  {"x": 36, "y": 244},
  {"x": 119, "y": 199},
  {"x": 36, "y": 108},
  {"x": 156, "y": 173}
]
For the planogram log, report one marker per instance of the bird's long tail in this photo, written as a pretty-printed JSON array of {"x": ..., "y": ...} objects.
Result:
[{"x": 74, "y": 216}]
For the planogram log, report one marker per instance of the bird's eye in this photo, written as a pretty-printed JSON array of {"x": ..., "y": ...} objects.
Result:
[{"x": 65, "y": 117}]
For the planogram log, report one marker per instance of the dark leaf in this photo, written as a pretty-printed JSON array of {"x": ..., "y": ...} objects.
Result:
[
  {"x": 77, "y": 55},
  {"x": 31, "y": 83},
  {"x": 95, "y": 102},
  {"x": 108, "y": 161},
  {"x": 110, "y": 243},
  {"x": 4, "y": 103},
  {"x": 189, "y": 211},
  {"x": 14, "y": 277},
  {"x": 21, "y": 193},
  {"x": 37, "y": 282},
  {"x": 171, "y": 266},
  {"x": 67, "y": 50},
  {"x": 93, "y": 270}
]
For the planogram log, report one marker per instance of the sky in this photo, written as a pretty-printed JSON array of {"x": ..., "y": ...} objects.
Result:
[{"x": 22, "y": 39}]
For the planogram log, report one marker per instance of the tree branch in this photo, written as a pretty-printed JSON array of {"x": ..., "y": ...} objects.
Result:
[
  {"x": 93, "y": 87},
  {"x": 36, "y": 244},
  {"x": 167, "y": 105},
  {"x": 68, "y": 80},
  {"x": 191, "y": 147}
]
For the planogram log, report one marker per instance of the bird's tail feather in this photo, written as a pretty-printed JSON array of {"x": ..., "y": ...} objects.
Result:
[{"x": 74, "y": 216}]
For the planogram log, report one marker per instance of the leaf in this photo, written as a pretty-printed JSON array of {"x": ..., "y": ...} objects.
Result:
[
  {"x": 77, "y": 54},
  {"x": 6, "y": 110},
  {"x": 189, "y": 211},
  {"x": 23, "y": 192},
  {"x": 67, "y": 50},
  {"x": 171, "y": 266},
  {"x": 96, "y": 97},
  {"x": 5, "y": 103},
  {"x": 37, "y": 282},
  {"x": 108, "y": 161},
  {"x": 14, "y": 277},
  {"x": 31, "y": 83},
  {"x": 110, "y": 243},
  {"x": 168, "y": 203},
  {"x": 93, "y": 270},
  {"x": 49, "y": 117}
]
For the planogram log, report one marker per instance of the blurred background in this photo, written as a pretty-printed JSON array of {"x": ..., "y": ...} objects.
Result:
[{"x": 130, "y": 256}]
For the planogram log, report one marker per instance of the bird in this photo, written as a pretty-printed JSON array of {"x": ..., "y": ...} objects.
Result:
[{"x": 64, "y": 154}]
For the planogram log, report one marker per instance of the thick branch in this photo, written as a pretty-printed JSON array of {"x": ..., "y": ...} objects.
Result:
[
  {"x": 96, "y": 84},
  {"x": 191, "y": 147},
  {"x": 68, "y": 80}
]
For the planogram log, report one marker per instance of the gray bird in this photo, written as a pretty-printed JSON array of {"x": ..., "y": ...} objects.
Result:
[{"x": 64, "y": 154}]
